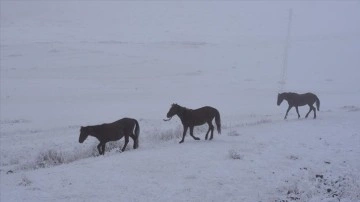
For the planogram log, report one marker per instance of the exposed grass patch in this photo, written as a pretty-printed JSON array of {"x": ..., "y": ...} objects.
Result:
[
  {"x": 50, "y": 157},
  {"x": 166, "y": 135},
  {"x": 309, "y": 186},
  {"x": 234, "y": 154},
  {"x": 25, "y": 181}
]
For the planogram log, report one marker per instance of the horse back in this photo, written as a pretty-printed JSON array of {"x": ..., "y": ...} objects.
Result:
[
  {"x": 310, "y": 97},
  {"x": 303, "y": 99},
  {"x": 125, "y": 124},
  {"x": 202, "y": 115},
  {"x": 204, "y": 111},
  {"x": 116, "y": 130}
]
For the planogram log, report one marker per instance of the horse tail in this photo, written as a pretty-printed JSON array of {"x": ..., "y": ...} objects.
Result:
[
  {"x": 218, "y": 121},
  {"x": 137, "y": 132},
  {"x": 317, "y": 103},
  {"x": 137, "y": 128}
]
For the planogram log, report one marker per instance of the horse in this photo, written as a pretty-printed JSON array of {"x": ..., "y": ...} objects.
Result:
[
  {"x": 296, "y": 100},
  {"x": 195, "y": 117},
  {"x": 107, "y": 132}
]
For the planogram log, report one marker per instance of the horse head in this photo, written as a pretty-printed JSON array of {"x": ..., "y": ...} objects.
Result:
[
  {"x": 174, "y": 109},
  {"x": 84, "y": 133},
  {"x": 280, "y": 98}
]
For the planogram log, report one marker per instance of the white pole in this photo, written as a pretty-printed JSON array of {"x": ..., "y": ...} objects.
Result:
[{"x": 285, "y": 59}]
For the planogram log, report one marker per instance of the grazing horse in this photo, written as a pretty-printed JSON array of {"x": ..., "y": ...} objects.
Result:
[
  {"x": 195, "y": 117},
  {"x": 112, "y": 132},
  {"x": 296, "y": 100}
]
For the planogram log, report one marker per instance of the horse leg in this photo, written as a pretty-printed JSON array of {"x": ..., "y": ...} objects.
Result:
[
  {"x": 211, "y": 128},
  {"x": 297, "y": 110},
  {"x": 126, "y": 142},
  {"x": 184, "y": 133},
  {"x": 103, "y": 148},
  {"x": 192, "y": 133},
  {"x": 313, "y": 108},
  {"x": 207, "y": 133},
  {"x": 136, "y": 141},
  {"x": 99, "y": 148},
  {"x": 288, "y": 111},
  {"x": 309, "y": 111}
]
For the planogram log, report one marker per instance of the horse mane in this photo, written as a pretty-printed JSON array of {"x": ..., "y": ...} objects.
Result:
[
  {"x": 175, "y": 104},
  {"x": 185, "y": 108},
  {"x": 182, "y": 109},
  {"x": 287, "y": 93}
]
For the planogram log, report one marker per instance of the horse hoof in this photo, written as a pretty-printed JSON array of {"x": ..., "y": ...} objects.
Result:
[
  {"x": 197, "y": 138},
  {"x": 181, "y": 142}
]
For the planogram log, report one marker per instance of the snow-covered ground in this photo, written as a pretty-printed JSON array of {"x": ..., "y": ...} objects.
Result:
[{"x": 76, "y": 63}]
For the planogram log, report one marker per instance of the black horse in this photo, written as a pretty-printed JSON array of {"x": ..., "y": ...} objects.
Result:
[
  {"x": 112, "y": 132},
  {"x": 296, "y": 100},
  {"x": 190, "y": 118}
]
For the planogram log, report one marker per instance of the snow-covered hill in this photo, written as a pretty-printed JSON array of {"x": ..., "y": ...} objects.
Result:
[{"x": 71, "y": 64}]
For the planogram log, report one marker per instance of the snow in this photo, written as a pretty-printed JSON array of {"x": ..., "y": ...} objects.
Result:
[{"x": 70, "y": 64}]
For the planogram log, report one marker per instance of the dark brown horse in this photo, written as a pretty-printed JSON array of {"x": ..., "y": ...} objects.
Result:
[
  {"x": 296, "y": 100},
  {"x": 112, "y": 132},
  {"x": 195, "y": 117}
]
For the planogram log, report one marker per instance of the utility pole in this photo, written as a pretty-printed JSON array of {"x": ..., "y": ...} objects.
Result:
[{"x": 286, "y": 51}]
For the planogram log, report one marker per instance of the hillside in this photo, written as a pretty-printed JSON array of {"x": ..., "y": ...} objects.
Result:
[{"x": 70, "y": 64}]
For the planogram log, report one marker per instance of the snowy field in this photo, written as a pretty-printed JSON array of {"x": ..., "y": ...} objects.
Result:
[{"x": 77, "y": 63}]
